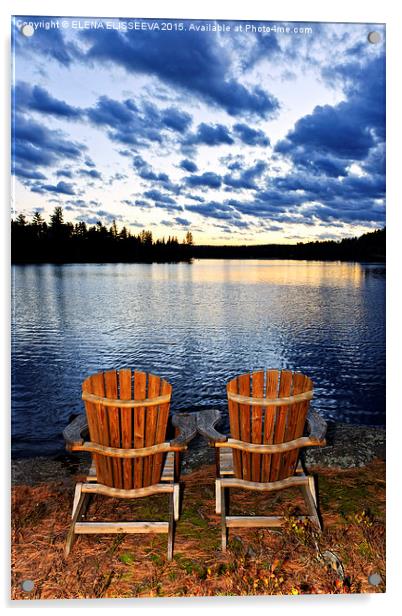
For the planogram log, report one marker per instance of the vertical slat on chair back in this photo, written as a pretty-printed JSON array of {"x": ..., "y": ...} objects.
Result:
[
  {"x": 271, "y": 392},
  {"x": 257, "y": 391},
  {"x": 113, "y": 416},
  {"x": 160, "y": 431},
  {"x": 234, "y": 421},
  {"x": 267, "y": 424},
  {"x": 98, "y": 425},
  {"x": 296, "y": 423},
  {"x": 140, "y": 389},
  {"x": 127, "y": 425},
  {"x": 127, "y": 428},
  {"x": 281, "y": 418},
  {"x": 244, "y": 421}
]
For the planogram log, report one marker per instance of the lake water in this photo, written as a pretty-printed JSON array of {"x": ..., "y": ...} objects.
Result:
[{"x": 197, "y": 325}]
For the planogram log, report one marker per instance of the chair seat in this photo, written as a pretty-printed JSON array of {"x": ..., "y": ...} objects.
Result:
[
  {"x": 226, "y": 463},
  {"x": 167, "y": 472},
  {"x": 168, "y": 469}
]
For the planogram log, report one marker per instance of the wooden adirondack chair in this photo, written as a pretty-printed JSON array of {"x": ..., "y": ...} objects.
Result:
[
  {"x": 267, "y": 413},
  {"x": 127, "y": 416}
]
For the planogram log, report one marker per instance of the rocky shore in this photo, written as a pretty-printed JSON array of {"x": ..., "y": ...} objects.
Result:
[{"x": 347, "y": 446}]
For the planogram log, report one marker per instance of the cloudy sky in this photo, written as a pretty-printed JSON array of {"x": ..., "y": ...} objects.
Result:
[{"x": 238, "y": 136}]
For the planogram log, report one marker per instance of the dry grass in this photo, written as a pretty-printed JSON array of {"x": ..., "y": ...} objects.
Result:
[{"x": 293, "y": 560}]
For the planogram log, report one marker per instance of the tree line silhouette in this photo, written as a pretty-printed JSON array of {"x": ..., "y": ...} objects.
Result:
[
  {"x": 368, "y": 247},
  {"x": 64, "y": 242}
]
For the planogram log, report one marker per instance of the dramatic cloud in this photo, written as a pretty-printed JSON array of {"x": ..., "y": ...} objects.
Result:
[
  {"x": 162, "y": 200},
  {"x": 188, "y": 165},
  {"x": 199, "y": 64},
  {"x": 175, "y": 119},
  {"x": 91, "y": 173},
  {"x": 127, "y": 123},
  {"x": 329, "y": 131},
  {"x": 346, "y": 132},
  {"x": 36, "y": 148},
  {"x": 146, "y": 172},
  {"x": 112, "y": 113},
  {"x": 213, "y": 209},
  {"x": 337, "y": 151},
  {"x": 204, "y": 127},
  {"x": 61, "y": 187},
  {"x": 197, "y": 198},
  {"x": 308, "y": 201},
  {"x": 117, "y": 177},
  {"x": 36, "y": 98},
  {"x": 64, "y": 173},
  {"x": 246, "y": 178},
  {"x": 251, "y": 136},
  {"x": 76, "y": 203},
  {"x": 156, "y": 195},
  {"x": 48, "y": 43},
  {"x": 182, "y": 221},
  {"x": 123, "y": 121},
  {"x": 28, "y": 174},
  {"x": 206, "y": 179},
  {"x": 89, "y": 220},
  {"x": 262, "y": 47},
  {"x": 36, "y": 144},
  {"x": 210, "y": 134}
]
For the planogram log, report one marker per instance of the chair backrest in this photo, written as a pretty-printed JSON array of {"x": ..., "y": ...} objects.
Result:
[
  {"x": 254, "y": 420},
  {"x": 127, "y": 426}
]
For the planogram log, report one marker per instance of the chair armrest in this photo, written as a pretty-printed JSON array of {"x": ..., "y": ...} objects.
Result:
[
  {"x": 206, "y": 420},
  {"x": 317, "y": 426},
  {"x": 72, "y": 434},
  {"x": 186, "y": 423},
  {"x": 125, "y": 453}
]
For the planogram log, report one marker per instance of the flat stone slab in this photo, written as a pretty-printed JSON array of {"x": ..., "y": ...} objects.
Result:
[{"x": 348, "y": 446}]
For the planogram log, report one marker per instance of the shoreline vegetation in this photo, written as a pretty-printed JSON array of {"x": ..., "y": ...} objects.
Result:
[
  {"x": 293, "y": 560},
  {"x": 348, "y": 557},
  {"x": 37, "y": 241}
]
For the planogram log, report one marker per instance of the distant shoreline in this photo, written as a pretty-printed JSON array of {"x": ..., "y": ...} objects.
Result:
[
  {"x": 63, "y": 243},
  {"x": 377, "y": 259}
]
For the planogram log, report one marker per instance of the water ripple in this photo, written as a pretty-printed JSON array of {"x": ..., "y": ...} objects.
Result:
[{"x": 197, "y": 326}]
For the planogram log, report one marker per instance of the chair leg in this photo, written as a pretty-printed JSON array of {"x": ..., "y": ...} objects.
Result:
[
  {"x": 177, "y": 462},
  {"x": 224, "y": 532},
  {"x": 171, "y": 526},
  {"x": 176, "y": 501},
  {"x": 310, "y": 497},
  {"x": 311, "y": 484},
  {"x": 77, "y": 494},
  {"x": 218, "y": 504},
  {"x": 78, "y": 509}
]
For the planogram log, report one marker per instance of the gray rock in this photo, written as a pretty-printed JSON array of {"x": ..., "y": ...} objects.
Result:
[{"x": 348, "y": 446}]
